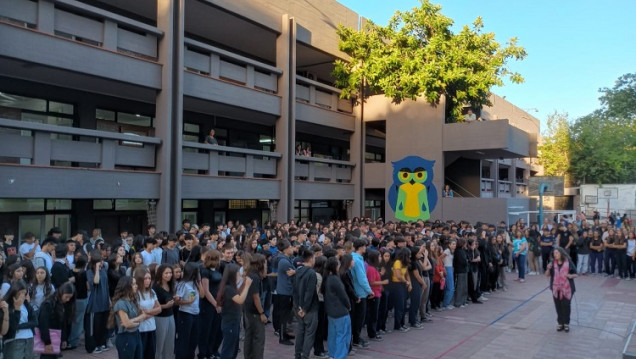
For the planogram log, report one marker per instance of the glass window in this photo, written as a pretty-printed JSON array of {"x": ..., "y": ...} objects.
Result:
[
  {"x": 21, "y": 205},
  {"x": 22, "y": 102},
  {"x": 58, "y": 204},
  {"x": 103, "y": 204},
  {"x": 134, "y": 119},
  {"x": 191, "y": 127},
  {"x": 192, "y": 216},
  {"x": 105, "y": 115},
  {"x": 131, "y": 205},
  {"x": 60, "y": 107},
  {"x": 190, "y": 204}
]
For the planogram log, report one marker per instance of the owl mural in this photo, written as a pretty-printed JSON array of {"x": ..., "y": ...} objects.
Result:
[{"x": 413, "y": 195}]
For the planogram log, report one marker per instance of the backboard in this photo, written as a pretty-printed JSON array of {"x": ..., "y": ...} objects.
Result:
[
  {"x": 607, "y": 192},
  {"x": 555, "y": 185}
]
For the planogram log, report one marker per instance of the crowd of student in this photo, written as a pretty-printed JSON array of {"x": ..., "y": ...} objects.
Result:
[{"x": 198, "y": 291}]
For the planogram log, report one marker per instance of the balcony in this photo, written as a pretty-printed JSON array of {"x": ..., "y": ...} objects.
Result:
[
  {"x": 487, "y": 186},
  {"x": 65, "y": 33},
  {"x": 322, "y": 178},
  {"x": 488, "y": 139},
  {"x": 522, "y": 189},
  {"x": 229, "y": 172},
  {"x": 47, "y": 161},
  {"x": 505, "y": 188},
  {"x": 320, "y": 104},
  {"x": 218, "y": 75}
]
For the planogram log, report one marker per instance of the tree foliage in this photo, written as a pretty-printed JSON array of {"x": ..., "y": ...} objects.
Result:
[
  {"x": 601, "y": 145},
  {"x": 417, "y": 54},
  {"x": 604, "y": 142},
  {"x": 555, "y": 149}
]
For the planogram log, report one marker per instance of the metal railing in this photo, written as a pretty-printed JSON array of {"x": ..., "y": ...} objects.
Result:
[
  {"x": 217, "y": 160},
  {"x": 323, "y": 169}
]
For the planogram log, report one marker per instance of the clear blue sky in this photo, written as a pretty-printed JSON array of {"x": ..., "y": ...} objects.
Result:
[{"x": 574, "y": 47}]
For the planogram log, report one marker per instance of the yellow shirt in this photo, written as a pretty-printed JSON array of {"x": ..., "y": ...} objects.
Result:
[{"x": 398, "y": 265}]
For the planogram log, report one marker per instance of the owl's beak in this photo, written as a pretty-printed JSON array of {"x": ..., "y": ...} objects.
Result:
[{"x": 412, "y": 182}]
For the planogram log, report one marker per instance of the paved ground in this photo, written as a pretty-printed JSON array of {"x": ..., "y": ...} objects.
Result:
[{"x": 519, "y": 323}]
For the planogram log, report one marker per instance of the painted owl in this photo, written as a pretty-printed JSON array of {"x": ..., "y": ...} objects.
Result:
[{"x": 412, "y": 195}]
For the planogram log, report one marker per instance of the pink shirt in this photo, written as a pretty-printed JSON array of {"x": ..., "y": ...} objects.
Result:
[{"x": 374, "y": 276}]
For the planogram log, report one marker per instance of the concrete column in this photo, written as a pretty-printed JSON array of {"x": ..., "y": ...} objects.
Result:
[
  {"x": 286, "y": 123},
  {"x": 356, "y": 151},
  {"x": 169, "y": 113},
  {"x": 46, "y": 16}
]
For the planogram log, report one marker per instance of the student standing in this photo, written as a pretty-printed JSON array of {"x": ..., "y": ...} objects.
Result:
[
  {"x": 164, "y": 288},
  {"x": 306, "y": 305},
  {"x": 81, "y": 300},
  {"x": 210, "y": 317},
  {"x": 231, "y": 302},
  {"x": 53, "y": 316},
  {"x": 520, "y": 252},
  {"x": 98, "y": 306},
  {"x": 448, "y": 258},
  {"x": 339, "y": 332},
  {"x": 148, "y": 303},
  {"x": 126, "y": 317},
  {"x": 188, "y": 294},
  {"x": 562, "y": 272},
  {"x": 254, "y": 314},
  {"x": 18, "y": 340}
]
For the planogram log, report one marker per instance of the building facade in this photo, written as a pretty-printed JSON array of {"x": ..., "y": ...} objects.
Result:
[{"x": 105, "y": 106}]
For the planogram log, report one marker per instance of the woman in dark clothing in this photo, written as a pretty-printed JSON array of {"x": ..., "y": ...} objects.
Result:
[
  {"x": 209, "y": 317},
  {"x": 54, "y": 315},
  {"x": 115, "y": 272},
  {"x": 339, "y": 332},
  {"x": 98, "y": 306},
  {"x": 385, "y": 276},
  {"x": 164, "y": 288},
  {"x": 562, "y": 272},
  {"x": 231, "y": 302},
  {"x": 460, "y": 268}
]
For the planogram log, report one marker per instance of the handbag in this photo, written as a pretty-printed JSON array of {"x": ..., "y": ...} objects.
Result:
[{"x": 56, "y": 341}]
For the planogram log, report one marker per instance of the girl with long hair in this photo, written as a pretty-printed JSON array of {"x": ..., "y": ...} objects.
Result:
[
  {"x": 231, "y": 301},
  {"x": 115, "y": 271},
  {"x": 53, "y": 313},
  {"x": 385, "y": 275},
  {"x": 562, "y": 272},
  {"x": 449, "y": 289},
  {"x": 126, "y": 317},
  {"x": 18, "y": 341},
  {"x": 148, "y": 303},
  {"x": 254, "y": 315},
  {"x": 80, "y": 299},
  {"x": 210, "y": 335},
  {"x": 188, "y": 294},
  {"x": 41, "y": 288},
  {"x": 135, "y": 261},
  {"x": 15, "y": 272},
  {"x": 164, "y": 321},
  {"x": 339, "y": 332},
  {"x": 98, "y": 306},
  {"x": 417, "y": 286},
  {"x": 399, "y": 287},
  {"x": 373, "y": 304}
]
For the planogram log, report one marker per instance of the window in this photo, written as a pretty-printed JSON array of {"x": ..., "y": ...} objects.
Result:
[
  {"x": 131, "y": 205},
  {"x": 21, "y": 205},
  {"x": 241, "y": 204}
]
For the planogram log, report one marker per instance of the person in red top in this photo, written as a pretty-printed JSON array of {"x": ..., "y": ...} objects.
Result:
[{"x": 376, "y": 282}]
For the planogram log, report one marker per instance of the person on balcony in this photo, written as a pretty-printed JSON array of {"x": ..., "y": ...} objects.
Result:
[
  {"x": 470, "y": 116},
  {"x": 210, "y": 140},
  {"x": 447, "y": 192}
]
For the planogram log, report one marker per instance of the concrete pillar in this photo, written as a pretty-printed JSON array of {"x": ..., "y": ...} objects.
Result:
[
  {"x": 46, "y": 16},
  {"x": 169, "y": 113},
  {"x": 356, "y": 151},
  {"x": 286, "y": 123}
]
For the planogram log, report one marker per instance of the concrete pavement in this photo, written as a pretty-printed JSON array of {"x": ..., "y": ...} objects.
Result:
[{"x": 519, "y": 323}]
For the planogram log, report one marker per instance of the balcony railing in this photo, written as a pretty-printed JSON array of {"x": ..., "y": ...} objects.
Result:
[
  {"x": 321, "y": 95},
  {"x": 31, "y": 143},
  {"x": 487, "y": 185},
  {"x": 221, "y": 64},
  {"x": 323, "y": 169},
  {"x": 229, "y": 161},
  {"x": 84, "y": 23},
  {"x": 505, "y": 188}
]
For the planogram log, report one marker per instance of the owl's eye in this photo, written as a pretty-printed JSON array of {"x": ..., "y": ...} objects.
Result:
[
  {"x": 404, "y": 175},
  {"x": 419, "y": 175}
]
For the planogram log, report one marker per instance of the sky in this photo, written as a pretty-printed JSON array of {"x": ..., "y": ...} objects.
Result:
[{"x": 574, "y": 47}]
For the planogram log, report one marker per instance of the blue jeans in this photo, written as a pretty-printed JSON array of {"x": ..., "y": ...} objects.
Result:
[
  {"x": 231, "y": 331},
  {"x": 129, "y": 345},
  {"x": 521, "y": 265},
  {"x": 596, "y": 258},
  {"x": 449, "y": 290},
  {"x": 77, "y": 325},
  {"x": 339, "y": 337},
  {"x": 18, "y": 349}
]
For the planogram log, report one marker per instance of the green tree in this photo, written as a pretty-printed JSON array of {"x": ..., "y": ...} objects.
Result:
[
  {"x": 555, "y": 148},
  {"x": 417, "y": 54},
  {"x": 604, "y": 142}
]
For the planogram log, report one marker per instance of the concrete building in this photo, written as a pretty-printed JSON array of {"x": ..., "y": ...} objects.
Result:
[{"x": 105, "y": 105}]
